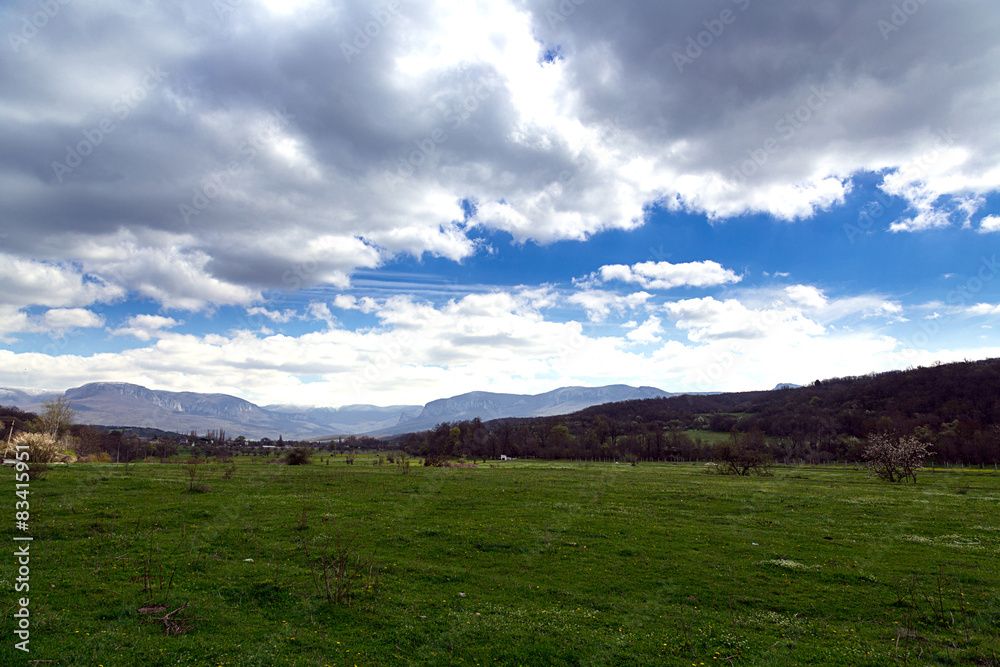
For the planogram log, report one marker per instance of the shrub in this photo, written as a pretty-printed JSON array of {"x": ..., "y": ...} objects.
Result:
[
  {"x": 99, "y": 457},
  {"x": 42, "y": 448},
  {"x": 298, "y": 456}
]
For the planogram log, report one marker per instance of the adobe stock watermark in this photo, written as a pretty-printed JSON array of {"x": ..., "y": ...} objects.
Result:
[
  {"x": 299, "y": 275},
  {"x": 562, "y": 12},
  {"x": 31, "y": 25},
  {"x": 901, "y": 14},
  {"x": 410, "y": 163},
  {"x": 214, "y": 184},
  {"x": 786, "y": 127},
  {"x": 876, "y": 210},
  {"x": 122, "y": 108},
  {"x": 22, "y": 514},
  {"x": 364, "y": 35},
  {"x": 714, "y": 28}
]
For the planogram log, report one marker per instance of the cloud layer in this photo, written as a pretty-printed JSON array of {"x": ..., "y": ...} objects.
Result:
[
  {"x": 164, "y": 162},
  {"x": 243, "y": 147}
]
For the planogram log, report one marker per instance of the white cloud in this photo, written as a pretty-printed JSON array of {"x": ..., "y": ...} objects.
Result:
[
  {"x": 648, "y": 332},
  {"x": 145, "y": 327},
  {"x": 445, "y": 127},
  {"x": 814, "y": 301},
  {"x": 345, "y": 302},
  {"x": 63, "y": 319},
  {"x": 599, "y": 304},
  {"x": 708, "y": 319},
  {"x": 28, "y": 282},
  {"x": 664, "y": 275},
  {"x": 806, "y": 296},
  {"x": 279, "y": 316},
  {"x": 321, "y": 311},
  {"x": 990, "y": 223},
  {"x": 454, "y": 107},
  {"x": 499, "y": 341},
  {"x": 983, "y": 309}
]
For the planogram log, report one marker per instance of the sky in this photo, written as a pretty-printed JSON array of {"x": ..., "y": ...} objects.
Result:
[{"x": 336, "y": 202}]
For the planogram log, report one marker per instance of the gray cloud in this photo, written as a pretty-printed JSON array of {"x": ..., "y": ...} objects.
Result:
[{"x": 304, "y": 158}]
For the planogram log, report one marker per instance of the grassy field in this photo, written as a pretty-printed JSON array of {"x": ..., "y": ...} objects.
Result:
[{"x": 523, "y": 563}]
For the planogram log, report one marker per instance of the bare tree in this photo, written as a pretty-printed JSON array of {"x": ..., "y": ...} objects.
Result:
[
  {"x": 57, "y": 418},
  {"x": 895, "y": 458}
]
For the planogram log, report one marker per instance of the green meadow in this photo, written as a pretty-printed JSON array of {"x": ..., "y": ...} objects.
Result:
[{"x": 514, "y": 563}]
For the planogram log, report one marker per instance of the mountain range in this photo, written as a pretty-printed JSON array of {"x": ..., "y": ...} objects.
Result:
[{"x": 123, "y": 404}]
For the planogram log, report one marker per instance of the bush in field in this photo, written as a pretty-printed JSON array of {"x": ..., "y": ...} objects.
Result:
[
  {"x": 42, "y": 448},
  {"x": 298, "y": 456},
  {"x": 895, "y": 458},
  {"x": 743, "y": 455}
]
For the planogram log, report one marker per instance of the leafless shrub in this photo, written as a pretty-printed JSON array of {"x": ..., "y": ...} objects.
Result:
[{"x": 341, "y": 567}]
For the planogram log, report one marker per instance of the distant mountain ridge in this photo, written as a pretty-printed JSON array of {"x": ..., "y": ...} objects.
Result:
[
  {"x": 488, "y": 405},
  {"x": 18, "y": 397},
  {"x": 125, "y": 404}
]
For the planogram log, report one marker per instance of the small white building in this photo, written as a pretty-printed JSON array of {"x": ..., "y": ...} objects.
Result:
[{"x": 504, "y": 457}]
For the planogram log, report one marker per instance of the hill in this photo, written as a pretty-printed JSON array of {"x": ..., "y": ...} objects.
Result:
[
  {"x": 487, "y": 405},
  {"x": 955, "y": 407}
]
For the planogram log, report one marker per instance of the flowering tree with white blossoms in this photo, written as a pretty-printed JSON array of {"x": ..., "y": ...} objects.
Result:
[{"x": 895, "y": 458}]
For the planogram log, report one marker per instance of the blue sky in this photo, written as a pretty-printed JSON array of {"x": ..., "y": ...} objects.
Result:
[{"x": 329, "y": 203}]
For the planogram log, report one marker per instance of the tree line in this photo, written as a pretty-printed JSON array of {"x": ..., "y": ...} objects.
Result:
[{"x": 954, "y": 408}]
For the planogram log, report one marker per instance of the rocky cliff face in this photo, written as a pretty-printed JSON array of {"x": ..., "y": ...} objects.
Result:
[{"x": 208, "y": 405}]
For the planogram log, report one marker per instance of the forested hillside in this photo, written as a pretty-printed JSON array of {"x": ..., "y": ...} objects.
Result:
[{"x": 955, "y": 407}]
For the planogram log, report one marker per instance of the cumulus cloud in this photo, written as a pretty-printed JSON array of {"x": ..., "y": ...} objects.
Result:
[
  {"x": 234, "y": 157},
  {"x": 321, "y": 311},
  {"x": 664, "y": 275},
  {"x": 987, "y": 309},
  {"x": 279, "y": 316},
  {"x": 647, "y": 332},
  {"x": 806, "y": 296},
  {"x": 26, "y": 282},
  {"x": 499, "y": 341},
  {"x": 710, "y": 319},
  {"x": 990, "y": 223},
  {"x": 145, "y": 327},
  {"x": 63, "y": 319},
  {"x": 599, "y": 304},
  {"x": 262, "y": 157}
]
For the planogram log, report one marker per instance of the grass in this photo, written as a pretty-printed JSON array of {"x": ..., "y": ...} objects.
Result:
[{"x": 520, "y": 563}]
